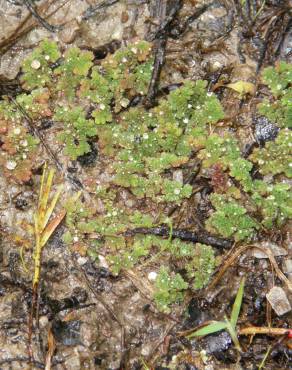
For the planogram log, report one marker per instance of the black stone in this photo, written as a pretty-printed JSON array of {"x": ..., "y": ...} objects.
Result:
[
  {"x": 89, "y": 158},
  {"x": 265, "y": 130}
]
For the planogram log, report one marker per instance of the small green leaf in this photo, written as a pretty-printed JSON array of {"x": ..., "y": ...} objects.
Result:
[{"x": 209, "y": 329}]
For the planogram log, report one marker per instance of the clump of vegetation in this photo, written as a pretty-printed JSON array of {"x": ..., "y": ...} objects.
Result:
[
  {"x": 141, "y": 149},
  {"x": 169, "y": 289},
  {"x": 201, "y": 265},
  {"x": 230, "y": 218},
  {"x": 228, "y": 324}
]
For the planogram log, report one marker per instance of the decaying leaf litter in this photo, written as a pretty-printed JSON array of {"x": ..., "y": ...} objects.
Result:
[{"x": 87, "y": 316}]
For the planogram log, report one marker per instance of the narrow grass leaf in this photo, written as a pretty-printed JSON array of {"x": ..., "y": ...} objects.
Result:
[
  {"x": 232, "y": 332},
  {"x": 209, "y": 329},
  {"x": 237, "y": 304}
]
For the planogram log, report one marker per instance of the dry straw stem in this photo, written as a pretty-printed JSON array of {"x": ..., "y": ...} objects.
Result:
[
  {"x": 43, "y": 229},
  {"x": 253, "y": 330}
]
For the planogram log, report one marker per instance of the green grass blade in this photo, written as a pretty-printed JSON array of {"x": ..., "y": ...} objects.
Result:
[
  {"x": 232, "y": 332},
  {"x": 237, "y": 304},
  {"x": 209, "y": 329}
]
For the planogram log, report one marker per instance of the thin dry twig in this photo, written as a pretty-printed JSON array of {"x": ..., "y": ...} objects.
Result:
[
  {"x": 253, "y": 330},
  {"x": 37, "y": 133},
  {"x": 28, "y": 24},
  {"x": 41, "y": 20},
  {"x": 238, "y": 252}
]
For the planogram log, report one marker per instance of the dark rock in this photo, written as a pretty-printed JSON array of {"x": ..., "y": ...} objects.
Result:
[
  {"x": 21, "y": 204},
  {"x": 194, "y": 310},
  {"x": 214, "y": 344},
  {"x": 265, "y": 130},
  {"x": 46, "y": 124},
  {"x": 67, "y": 333},
  {"x": 97, "y": 361},
  {"x": 89, "y": 158},
  {"x": 195, "y": 314}
]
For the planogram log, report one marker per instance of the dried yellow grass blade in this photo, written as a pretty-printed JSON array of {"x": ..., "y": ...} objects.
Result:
[
  {"x": 44, "y": 197},
  {"x": 51, "y": 207},
  {"x": 51, "y": 227}
]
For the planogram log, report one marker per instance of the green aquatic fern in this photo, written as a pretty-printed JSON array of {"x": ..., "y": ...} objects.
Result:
[
  {"x": 37, "y": 68},
  {"x": 201, "y": 266},
  {"x": 72, "y": 71},
  {"x": 169, "y": 289},
  {"x": 278, "y": 108},
  {"x": 142, "y": 151},
  {"x": 77, "y": 130},
  {"x": 274, "y": 203},
  {"x": 231, "y": 219},
  {"x": 275, "y": 157}
]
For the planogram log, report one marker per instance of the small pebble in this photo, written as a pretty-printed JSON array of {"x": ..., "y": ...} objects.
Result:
[
  {"x": 152, "y": 276},
  {"x": 215, "y": 66},
  {"x": 124, "y": 103},
  {"x": 10, "y": 165},
  {"x": 178, "y": 176},
  {"x": 287, "y": 266},
  {"x": 278, "y": 300},
  {"x": 103, "y": 262},
  {"x": 24, "y": 143},
  {"x": 82, "y": 260},
  {"x": 35, "y": 64},
  {"x": 43, "y": 321}
]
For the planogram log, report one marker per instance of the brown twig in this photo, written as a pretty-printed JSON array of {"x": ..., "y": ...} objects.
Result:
[
  {"x": 253, "y": 330},
  {"x": 185, "y": 235},
  {"x": 159, "y": 56}
]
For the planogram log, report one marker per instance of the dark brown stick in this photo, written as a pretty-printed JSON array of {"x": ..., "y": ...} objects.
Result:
[
  {"x": 190, "y": 236},
  {"x": 41, "y": 20}
]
